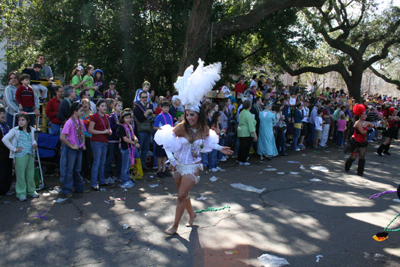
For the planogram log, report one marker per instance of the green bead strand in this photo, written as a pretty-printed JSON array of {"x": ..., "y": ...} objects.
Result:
[
  {"x": 214, "y": 209},
  {"x": 392, "y": 230}
]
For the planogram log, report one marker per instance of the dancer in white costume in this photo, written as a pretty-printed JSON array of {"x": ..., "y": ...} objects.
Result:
[{"x": 185, "y": 141}]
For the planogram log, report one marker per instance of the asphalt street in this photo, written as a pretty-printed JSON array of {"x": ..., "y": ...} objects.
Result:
[{"x": 293, "y": 218}]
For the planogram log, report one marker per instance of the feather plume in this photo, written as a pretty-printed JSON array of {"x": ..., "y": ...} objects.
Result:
[{"x": 193, "y": 86}]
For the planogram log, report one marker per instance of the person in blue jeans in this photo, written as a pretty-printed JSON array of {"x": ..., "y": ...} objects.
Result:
[
  {"x": 212, "y": 156},
  {"x": 129, "y": 145},
  {"x": 298, "y": 122},
  {"x": 143, "y": 112},
  {"x": 99, "y": 127},
  {"x": 73, "y": 137}
]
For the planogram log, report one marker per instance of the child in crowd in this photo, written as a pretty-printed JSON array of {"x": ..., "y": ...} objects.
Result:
[
  {"x": 341, "y": 127},
  {"x": 73, "y": 137},
  {"x": 162, "y": 119},
  {"x": 98, "y": 95},
  {"x": 6, "y": 163},
  {"x": 99, "y": 127},
  {"x": 20, "y": 140},
  {"x": 77, "y": 81},
  {"x": 318, "y": 128},
  {"x": 158, "y": 105},
  {"x": 209, "y": 114},
  {"x": 88, "y": 77},
  {"x": 179, "y": 117},
  {"x": 224, "y": 128},
  {"x": 212, "y": 156},
  {"x": 110, "y": 105},
  {"x": 128, "y": 149},
  {"x": 26, "y": 98},
  {"x": 98, "y": 79},
  {"x": 87, "y": 160},
  {"x": 34, "y": 74},
  {"x": 225, "y": 89},
  {"x": 111, "y": 93},
  {"x": 113, "y": 145}
]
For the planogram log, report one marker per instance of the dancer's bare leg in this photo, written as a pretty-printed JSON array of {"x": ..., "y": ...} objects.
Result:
[
  {"x": 185, "y": 184},
  {"x": 188, "y": 206}
]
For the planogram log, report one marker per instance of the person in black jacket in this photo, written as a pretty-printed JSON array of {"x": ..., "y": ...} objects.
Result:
[{"x": 65, "y": 105}]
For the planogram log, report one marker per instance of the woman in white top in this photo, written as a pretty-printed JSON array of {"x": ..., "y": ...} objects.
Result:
[{"x": 186, "y": 141}]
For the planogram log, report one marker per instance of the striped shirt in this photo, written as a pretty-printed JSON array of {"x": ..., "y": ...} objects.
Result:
[
  {"x": 372, "y": 116},
  {"x": 24, "y": 141}
]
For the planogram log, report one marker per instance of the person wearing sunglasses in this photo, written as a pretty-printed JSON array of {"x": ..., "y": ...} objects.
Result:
[{"x": 144, "y": 117}]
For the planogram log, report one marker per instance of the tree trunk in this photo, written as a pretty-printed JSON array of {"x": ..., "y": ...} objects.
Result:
[
  {"x": 354, "y": 81},
  {"x": 197, "y": 35}
]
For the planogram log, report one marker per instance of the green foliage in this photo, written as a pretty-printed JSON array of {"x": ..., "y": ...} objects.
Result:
[
  {"x": 253, "y": 51},
  {"x": 131, "y": 41}
]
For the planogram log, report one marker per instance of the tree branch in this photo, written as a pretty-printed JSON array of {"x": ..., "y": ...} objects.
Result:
[
  {"x": 384, "y": 53},
  {"x": 385, "y": 78},
  {"x": 242, "y": 23},
  {"x": 252, "y": 53},
  {"x": 338, "y": 67},
  {"x": 381, "y": 37}
]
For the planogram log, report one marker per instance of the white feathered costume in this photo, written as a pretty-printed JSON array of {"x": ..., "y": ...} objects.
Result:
[{"x": 192, "y": 87}]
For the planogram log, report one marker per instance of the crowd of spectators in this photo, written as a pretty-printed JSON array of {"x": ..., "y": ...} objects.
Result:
[{"x": 258, "y": 117}]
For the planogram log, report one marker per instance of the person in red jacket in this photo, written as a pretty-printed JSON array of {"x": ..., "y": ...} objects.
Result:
[
  {"x": 26, "y": 98},
  {"x": 52, "y": 109},
  {"x": 240, "y": 87}
]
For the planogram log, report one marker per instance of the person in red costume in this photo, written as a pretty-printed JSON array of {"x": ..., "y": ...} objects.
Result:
[
  {"x": 391, "y": 132},
  {"x": 358, "y": 143}
]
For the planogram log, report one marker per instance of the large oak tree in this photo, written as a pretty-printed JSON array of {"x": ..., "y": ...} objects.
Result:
[{"x": 357, "y": 35}]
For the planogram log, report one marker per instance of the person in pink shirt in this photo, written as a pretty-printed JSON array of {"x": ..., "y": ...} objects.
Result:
[
  {"x": 341, "y": 124},
  {"x": 73, "y": 137}
]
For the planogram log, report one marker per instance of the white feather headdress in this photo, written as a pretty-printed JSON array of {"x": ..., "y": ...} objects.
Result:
[{"x": 193, "y": 86}]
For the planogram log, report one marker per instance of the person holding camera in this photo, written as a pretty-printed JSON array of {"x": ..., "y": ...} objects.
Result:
[{"x": 144, "y": 118}]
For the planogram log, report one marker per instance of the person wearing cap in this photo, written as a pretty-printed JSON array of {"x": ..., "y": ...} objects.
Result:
[
  {"x": 111, "y": 92},
  {"x": 176, "y": 102}
]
